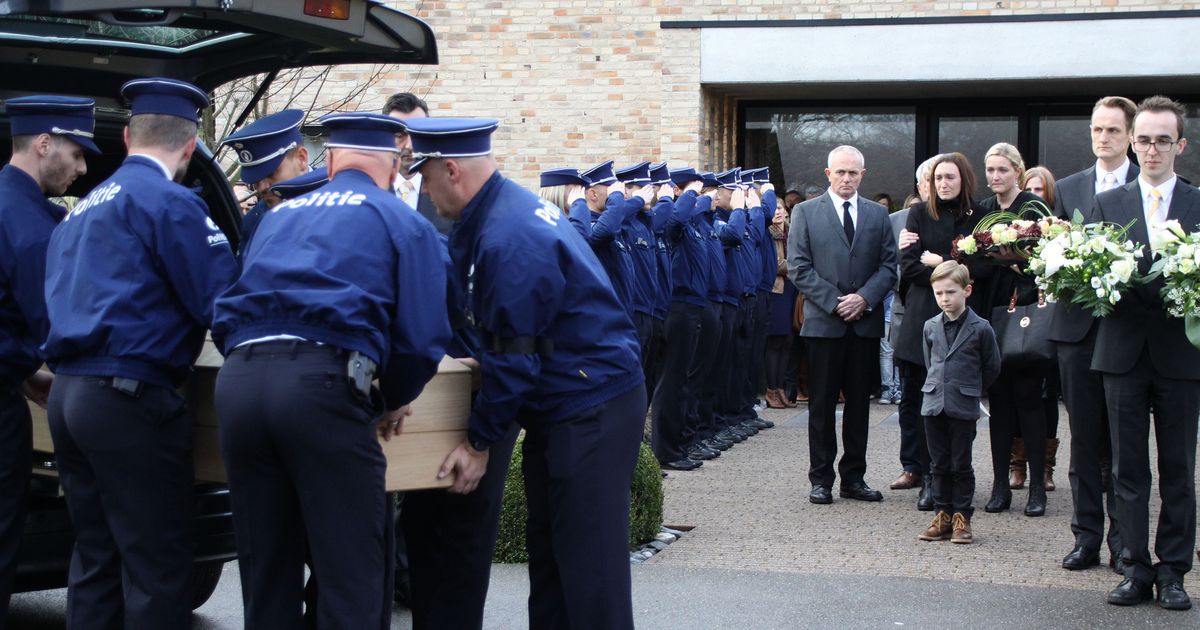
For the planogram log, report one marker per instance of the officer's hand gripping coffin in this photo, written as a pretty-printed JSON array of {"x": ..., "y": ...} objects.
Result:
[{"x": 438, "y": 423}]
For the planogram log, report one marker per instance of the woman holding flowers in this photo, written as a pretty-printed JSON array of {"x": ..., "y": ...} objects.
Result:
[
  {"x": 1015, "y": 399},
  {"x": 948, "y": 215}
]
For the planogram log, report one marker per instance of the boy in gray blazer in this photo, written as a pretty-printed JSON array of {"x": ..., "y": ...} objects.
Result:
[{"x": 961, "y": 360}]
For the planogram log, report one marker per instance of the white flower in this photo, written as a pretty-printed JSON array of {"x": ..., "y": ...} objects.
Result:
[
  {"x": 1115, "y": 296},
  {"x": 1095, "y": 283},
  {"x": 1162, "y": 237},
  {"x": 967, "y": 245},
  {"x": 1101, "y": 293},
  {"x": 1122, "y": 269},
  {"x": 1053, "y": 257}
]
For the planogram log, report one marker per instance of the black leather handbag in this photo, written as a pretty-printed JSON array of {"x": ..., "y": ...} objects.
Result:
[{"x": 1023, "y": 333}]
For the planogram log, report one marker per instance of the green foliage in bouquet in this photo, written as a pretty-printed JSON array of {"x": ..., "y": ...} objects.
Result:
[
  {"x": 1087, "y": 265},
  {"x": 1179, "y": 264}
]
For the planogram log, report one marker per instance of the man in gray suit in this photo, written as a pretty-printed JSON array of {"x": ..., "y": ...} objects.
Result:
[
  {"x": 1074, "y": 330},
  {"x": 842, "y": 257},
  {"x": 1152, "y": 373}
]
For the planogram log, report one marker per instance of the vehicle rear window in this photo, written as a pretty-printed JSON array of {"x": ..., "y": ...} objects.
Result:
[{"x": 53, "y": 26}]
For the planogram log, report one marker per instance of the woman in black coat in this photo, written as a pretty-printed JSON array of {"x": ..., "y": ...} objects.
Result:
[{"x": 948, "y": 215}]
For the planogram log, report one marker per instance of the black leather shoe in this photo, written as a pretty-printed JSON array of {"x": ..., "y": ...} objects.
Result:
[
  {"x": 1171, "y": 596},
  {"x": 1000, "y": 501},
  {"x": 1081, "y": 558},
  {"x": 717, "y": 443},
  {"x": 1116, "y": 564},
  {"x": 820, "y": 495},
  {"x": 1131, "y": 591},
  {"x": 731, "y": 436},
  {"x": 747, "y": 427},
  {"x": 925, "y": 498},
  {"x": 683, "y": 464},
  {"x": 1036, "y": 505},
  {"x": 860, "y": 492},
  {"x": 703, "y": 453},
  {"x": 759, "y": 423}
]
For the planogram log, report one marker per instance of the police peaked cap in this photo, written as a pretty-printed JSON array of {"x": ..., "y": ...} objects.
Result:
[
  {"x": 637, "y": 174},
  {"x": 65, "y": 116},
  {"x": 561, "y": 177},
  {"x": 261, "y": 145},
  {"x": 365, "y": 131},
  {"x": 439, "y": 138},
  {"x": 160, "y": 95},
  {"x": 302, "y": 185}
]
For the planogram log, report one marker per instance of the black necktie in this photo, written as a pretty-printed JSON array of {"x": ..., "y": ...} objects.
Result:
[{"x": 847, "y": 222}]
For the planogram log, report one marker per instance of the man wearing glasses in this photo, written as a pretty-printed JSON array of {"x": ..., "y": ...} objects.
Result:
[
  {"x": 405, "y": 106},
  {"x": 1148, "y": 364}
]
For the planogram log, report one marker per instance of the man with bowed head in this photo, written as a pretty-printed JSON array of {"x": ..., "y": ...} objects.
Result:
[{"x": 560, "y": 357}]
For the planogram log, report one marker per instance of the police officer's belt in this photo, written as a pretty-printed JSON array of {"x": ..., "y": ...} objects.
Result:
[{"x": 542, "y": 346}]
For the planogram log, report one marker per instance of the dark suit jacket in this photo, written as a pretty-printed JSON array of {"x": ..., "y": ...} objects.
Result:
[
  {"x": 824, "y": 265},
  {"x": 426, "y": 209},
  {"x": 1077, "y": 192},
  {"x": 1140, "y": 318},
  {"x": 958, "y": 374}
]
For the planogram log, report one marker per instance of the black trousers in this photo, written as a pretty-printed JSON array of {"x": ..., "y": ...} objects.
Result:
[
  {"x": 125, "y": 464},
  {"x": 1091, "y": 446},
  {"x": 950, "y": 441},
  {"x": 796, "y": 378},
  {"x": 1015, "y": 399},
  {"x": 450, "y": 540},
  {"x": 675, "y": 390},
  {"x": 305, "y": 471},
  {"x": 644, "y": 324},
  {"x": 756, "y": 383},
  {"x": 715, "y": 414},
  {"x": 16, "y": 446},
  {"x": 740, "y": 403},
  {"x": 1135, "y": 399},
  {"x": 914, "y": 452},
  {"x": 658, "y": 350},
  {"x": 577, "y": 478},
  {"x": 776, "y": 360},
  {"x": 846, "y": 364},
  {"x": 703, "y": 371}
]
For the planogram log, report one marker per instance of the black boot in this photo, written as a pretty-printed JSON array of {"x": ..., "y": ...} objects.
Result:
[
  {"x": 925, "y": 498},
  {"x": 1036, "y": 506},
  {"x": 1001, "y": 498}
]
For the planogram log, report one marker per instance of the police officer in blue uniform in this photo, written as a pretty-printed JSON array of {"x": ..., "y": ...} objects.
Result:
[
  {"x": 769, "y": 267},
  {"x": 747, "y": 346},
  {"x": 269, "y": 150},
  {"x": 339, "y": 287},
  {"x": 49, "y": 137},
  {"x": 560, "y": 357},
  {"x": 131, "y": 275},
  {"x": 599, "y": 213},
  {"x": 677, "y": 385},
  {"x": 300, "y": 185},
  {"x": 638, "y": 234},
  {"x": 660, "y": 178}
]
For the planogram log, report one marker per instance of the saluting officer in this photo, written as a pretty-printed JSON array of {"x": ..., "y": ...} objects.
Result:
[
  {"x": 339, "y": 286},
  {"x": 639, "y": 237},
  {"x": 560, "y": 357},
  {"x": 660, "y": 179},
  {"x": 49, "y": 137},
  {"x": 269, "y": 150},
  {"x": 131, "y": 276},
  {"x": 599, "y": 212}
]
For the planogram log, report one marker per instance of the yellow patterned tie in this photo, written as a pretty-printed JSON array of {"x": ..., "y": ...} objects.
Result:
[
  {"x": 1155, "y": 203},
  {"x": 406, "y": 191}
]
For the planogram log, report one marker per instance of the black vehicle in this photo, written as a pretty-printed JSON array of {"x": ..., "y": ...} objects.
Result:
[{"x": 90, "y": 48}]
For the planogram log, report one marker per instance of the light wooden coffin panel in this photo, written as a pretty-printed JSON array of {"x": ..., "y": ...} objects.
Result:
[{"x": 438, "y": 423}]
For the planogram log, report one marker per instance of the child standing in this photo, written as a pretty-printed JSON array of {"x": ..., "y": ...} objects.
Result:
[{"x": 961, "y": 360}]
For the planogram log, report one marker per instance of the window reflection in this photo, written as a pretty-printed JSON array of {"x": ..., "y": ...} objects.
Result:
[
  {"x": 1064, "y": 144},
  {"x": 974, "y": 135}
]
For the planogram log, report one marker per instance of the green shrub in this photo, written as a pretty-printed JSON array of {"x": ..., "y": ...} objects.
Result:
[{"x": 645, "y": 510}]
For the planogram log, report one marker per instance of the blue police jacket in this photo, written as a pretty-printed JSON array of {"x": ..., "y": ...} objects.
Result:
[
  {"x": 766, "y": 246},
  {"x": 555, "y": 340},
  {"x": 690, "y": 268},
  {"x": 751, "y": 257},
  {"x": 131, "y": 275},
  {"x": 250, "y": 224},
  {"x": 729, "y": 229},
  {"x": 639, "y": 236},
  {"x": 26, "y": 220},
  {"x": 346, "y": 265},
  {"x": 603, "y": 232},
  {"x": 659, "y": 216}
]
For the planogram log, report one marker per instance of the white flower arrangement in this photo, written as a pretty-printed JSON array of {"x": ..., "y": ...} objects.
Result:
[
  {"x": 1178, "y": 261},
  {"x": 1086, "y": 265}
]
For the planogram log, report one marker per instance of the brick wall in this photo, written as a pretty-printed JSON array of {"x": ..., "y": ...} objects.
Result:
[{"x": 578, "y": 81}]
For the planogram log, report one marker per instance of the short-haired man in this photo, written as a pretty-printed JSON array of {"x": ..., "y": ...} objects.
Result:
[
  {"x": 843, "y": 317},
  {"x": 406, "y": 106},
  {"x": 559, "y": 356},
  {"x": 1149, "y": 365},
  {"x": 131, "y": 276},
  {"x": 49, "y": 137},
  {"x": 269, "y": 150},
  {"x": 1074, "y": 330}
]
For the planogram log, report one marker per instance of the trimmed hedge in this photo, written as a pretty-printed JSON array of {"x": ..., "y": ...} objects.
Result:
[{"x": 645, "y": 510}]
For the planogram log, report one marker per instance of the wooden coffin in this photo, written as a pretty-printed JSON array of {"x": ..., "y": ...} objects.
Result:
[{"x": 438, "y": 424}]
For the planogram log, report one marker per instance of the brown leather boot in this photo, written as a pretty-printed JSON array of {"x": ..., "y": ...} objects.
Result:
[
  {"x": 939, "y": 529},
  {"x": 784, "y": 398},
  {"x": 1051, "y": 456},
  {"x": 962, "y": 530},
  {"x": 774, "y": 400},
  {"x": 1016, "y": 465}
]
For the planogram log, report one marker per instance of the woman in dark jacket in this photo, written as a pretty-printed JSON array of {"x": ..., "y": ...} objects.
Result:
[
  {"x": 779, "y": 328},
  {"x": 1015, "y": 399},
  {"x": 948, "y": 215}
]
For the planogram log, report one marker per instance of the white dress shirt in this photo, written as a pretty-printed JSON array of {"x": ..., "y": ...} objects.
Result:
[
  {"x": 841, "y": 209},
  {"x": 1166, "y": 189},
  {"x": 1120, "y": 176},
  {"x": 411, "y": 197}
]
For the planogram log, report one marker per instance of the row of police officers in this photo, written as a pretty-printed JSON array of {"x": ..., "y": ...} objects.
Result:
[{"x": 331, "y": 321}]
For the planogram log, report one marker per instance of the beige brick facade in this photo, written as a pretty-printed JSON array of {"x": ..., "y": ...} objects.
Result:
[{"x": 577, "y": 81}]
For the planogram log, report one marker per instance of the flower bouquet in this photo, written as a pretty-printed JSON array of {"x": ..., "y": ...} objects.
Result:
[
  {"x": 1087, "y": 265},
  {"x": 1008, "y": 229},
  {"x": 1179, "y": 263}
]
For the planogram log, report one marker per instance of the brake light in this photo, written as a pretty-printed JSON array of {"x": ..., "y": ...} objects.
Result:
[{"x": 330, "y": 9}]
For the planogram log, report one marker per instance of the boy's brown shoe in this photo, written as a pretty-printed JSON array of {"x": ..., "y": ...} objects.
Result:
[
  {"x": 939, "y": 529},
  {"x": 962, "y": 530}
]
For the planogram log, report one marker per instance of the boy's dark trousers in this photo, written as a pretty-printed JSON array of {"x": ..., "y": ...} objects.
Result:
[{"x": 950, "y": 442}]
